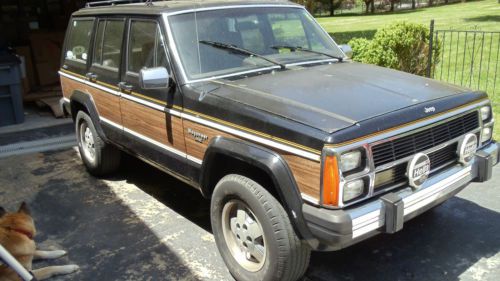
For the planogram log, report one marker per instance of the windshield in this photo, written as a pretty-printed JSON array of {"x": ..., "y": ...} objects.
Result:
[{"x": 264, "y": 36}]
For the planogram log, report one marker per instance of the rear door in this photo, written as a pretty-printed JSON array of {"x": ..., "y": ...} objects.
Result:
[
  {"x": 151, "y": 117},
  {"x": 104, "y": 73}
]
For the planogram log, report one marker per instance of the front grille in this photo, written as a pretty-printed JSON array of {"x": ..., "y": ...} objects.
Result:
[
  {"x": 397, "y": 174},
  {"x": 443, "y": 156},
  {"x": 408, "y": 145}
]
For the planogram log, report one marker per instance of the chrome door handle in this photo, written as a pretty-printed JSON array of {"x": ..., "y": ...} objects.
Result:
[
  {"x": 124, "y": 86},
  {"x": 91, "y": 76}
]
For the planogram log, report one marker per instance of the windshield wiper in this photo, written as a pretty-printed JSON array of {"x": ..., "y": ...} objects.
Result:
[
  {"x": 238, "y": 50},
  {"x": 295, "y": 48}
]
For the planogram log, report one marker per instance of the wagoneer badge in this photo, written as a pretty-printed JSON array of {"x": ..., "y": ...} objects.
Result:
[
  {"x": 467, "y": 148},
  {"x": 199, "y": 137},
  {"x": 418, "y": 170}
]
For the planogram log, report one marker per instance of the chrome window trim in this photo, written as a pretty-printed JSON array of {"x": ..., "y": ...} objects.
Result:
[
  {"x": 231, "y": 7},
  {"x": 388, "y": 136},
  {"x": 311, "y": 62},
  {"x": 176, "y": 56}
]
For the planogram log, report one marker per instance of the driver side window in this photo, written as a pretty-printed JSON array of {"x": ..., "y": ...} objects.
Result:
[{"x": 146, "y": 47}]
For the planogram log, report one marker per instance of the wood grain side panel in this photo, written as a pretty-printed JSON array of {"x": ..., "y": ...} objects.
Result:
[
  {"x": 305, "y": 171},
  {"x": 107, "y": 105},
  {"x": 68, "y": 86},
  {"x": 154, "y": 124}
]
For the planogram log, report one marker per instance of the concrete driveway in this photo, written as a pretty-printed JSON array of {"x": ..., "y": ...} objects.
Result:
[{"x": 142, "y": 224}]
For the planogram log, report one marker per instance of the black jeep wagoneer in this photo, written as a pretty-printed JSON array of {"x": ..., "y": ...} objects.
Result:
[{"x": 256, "y": 106}]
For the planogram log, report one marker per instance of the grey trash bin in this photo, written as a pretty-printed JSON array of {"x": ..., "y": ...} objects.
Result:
[{"x": 11, "y": 100}]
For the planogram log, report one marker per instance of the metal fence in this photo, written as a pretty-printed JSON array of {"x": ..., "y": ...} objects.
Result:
[{"x": 467, "y": 58}]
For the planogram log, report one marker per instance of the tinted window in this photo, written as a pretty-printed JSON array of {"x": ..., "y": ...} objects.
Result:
[
  {"x": 288, "y": 30},
  {"x": 77, "y": 47},
  {"x": 146, "y": 47},
  {"x": 270, "y": 32},
  {"x": 108, "y": 44}
]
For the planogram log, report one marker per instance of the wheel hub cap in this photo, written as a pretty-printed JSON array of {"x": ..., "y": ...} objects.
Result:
[
  {"x": 244, "y": 236},
  {"x": 87, "y": 142}
]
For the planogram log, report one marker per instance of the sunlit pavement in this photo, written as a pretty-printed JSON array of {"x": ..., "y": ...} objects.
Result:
[{"x": 142, "y": 224}]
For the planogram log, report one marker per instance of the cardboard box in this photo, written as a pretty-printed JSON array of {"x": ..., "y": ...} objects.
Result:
[
  {"x": 47, "y": 73},
  {"x": 46, "y": 46}
]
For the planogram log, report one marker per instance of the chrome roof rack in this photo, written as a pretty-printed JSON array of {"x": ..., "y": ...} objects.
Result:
[{"x": 116, "y": 2}]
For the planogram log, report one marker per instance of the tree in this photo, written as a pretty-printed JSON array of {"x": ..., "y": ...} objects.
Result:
[
  {"x": 392, "y": 4},
  {"x": 331, "y": 5},
  {"x": 368, "y": 4},
  {"x": 413, "y": 4}
]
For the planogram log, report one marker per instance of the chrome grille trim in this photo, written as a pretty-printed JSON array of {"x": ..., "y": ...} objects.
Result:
[{"x": 392, "y": 149}]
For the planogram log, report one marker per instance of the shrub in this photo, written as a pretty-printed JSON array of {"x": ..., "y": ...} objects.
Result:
[{"x": 403, "y": 46}]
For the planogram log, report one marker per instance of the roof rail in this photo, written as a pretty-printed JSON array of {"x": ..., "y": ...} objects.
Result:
[{"x": 115, "y": 2}]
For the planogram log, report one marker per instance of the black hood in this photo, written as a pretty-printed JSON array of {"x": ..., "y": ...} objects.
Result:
[{"x": 331, "y": 97}]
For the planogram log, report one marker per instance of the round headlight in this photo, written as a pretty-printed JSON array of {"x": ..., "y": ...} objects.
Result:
[{"x": 350, "y": 160}]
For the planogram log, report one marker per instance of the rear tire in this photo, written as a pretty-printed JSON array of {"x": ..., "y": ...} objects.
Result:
[
  {"x": 254, "y": 234},
  {"x": 99, "y": 158}
]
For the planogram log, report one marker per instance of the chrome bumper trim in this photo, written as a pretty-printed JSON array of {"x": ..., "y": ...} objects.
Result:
[{"x": 433, "y": 190}]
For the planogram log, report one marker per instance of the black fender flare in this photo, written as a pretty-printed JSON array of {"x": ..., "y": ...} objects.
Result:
[
  {"x": 270, "y": 162},
  {"x": 87, "y": 102}
]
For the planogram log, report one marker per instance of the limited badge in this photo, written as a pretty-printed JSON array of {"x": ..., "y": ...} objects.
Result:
[
  {"x": 418, "y": 170},
  {"x": 466, "y": 148}
]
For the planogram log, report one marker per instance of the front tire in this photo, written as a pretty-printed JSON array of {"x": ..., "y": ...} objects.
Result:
[
  {"x": 99, "y": 158},
  {"x": 254, "y": 234}
]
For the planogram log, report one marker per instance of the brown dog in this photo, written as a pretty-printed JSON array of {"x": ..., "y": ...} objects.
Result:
[{"x": 16, "y": 235}]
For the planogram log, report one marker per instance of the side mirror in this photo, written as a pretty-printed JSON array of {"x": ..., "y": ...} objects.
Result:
[
  {"x": 347, "y": 50},
  {"x": 154, "y": 78}
]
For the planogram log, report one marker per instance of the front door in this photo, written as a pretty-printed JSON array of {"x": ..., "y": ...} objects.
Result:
[{"x": 150, "y": 120}]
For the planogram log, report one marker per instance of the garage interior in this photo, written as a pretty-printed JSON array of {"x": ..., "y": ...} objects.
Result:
[{"x": 33, "y": 30}]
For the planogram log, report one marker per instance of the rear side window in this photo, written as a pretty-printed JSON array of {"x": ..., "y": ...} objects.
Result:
[
  {"x": 146, "y": 47},
  {"x": 108, "y": 44},
  {"x": 77, "y": 47}
]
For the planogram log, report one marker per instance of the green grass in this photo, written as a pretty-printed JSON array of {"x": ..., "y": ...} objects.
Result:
[
  {"x": 483, "y": 15},
  {"x": 478, "y": 15}
]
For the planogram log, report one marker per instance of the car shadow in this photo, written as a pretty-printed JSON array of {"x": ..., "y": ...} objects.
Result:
[
  {"x": 172, "y": 192},
  {"x": 441, "y": 244},
  {"x": 104, "y": 232},
  {"x": 102, "y": 235}
]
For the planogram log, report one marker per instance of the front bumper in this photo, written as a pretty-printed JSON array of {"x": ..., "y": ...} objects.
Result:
[{"x": 337, "y": 229}]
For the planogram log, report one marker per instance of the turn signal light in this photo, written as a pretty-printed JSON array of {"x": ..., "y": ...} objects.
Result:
[{"x": 331, "y": 181}]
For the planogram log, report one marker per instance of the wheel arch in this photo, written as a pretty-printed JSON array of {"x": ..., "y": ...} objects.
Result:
[
  {"x": 80, "y": 101},
  {"x": 265, "y": 166}
]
